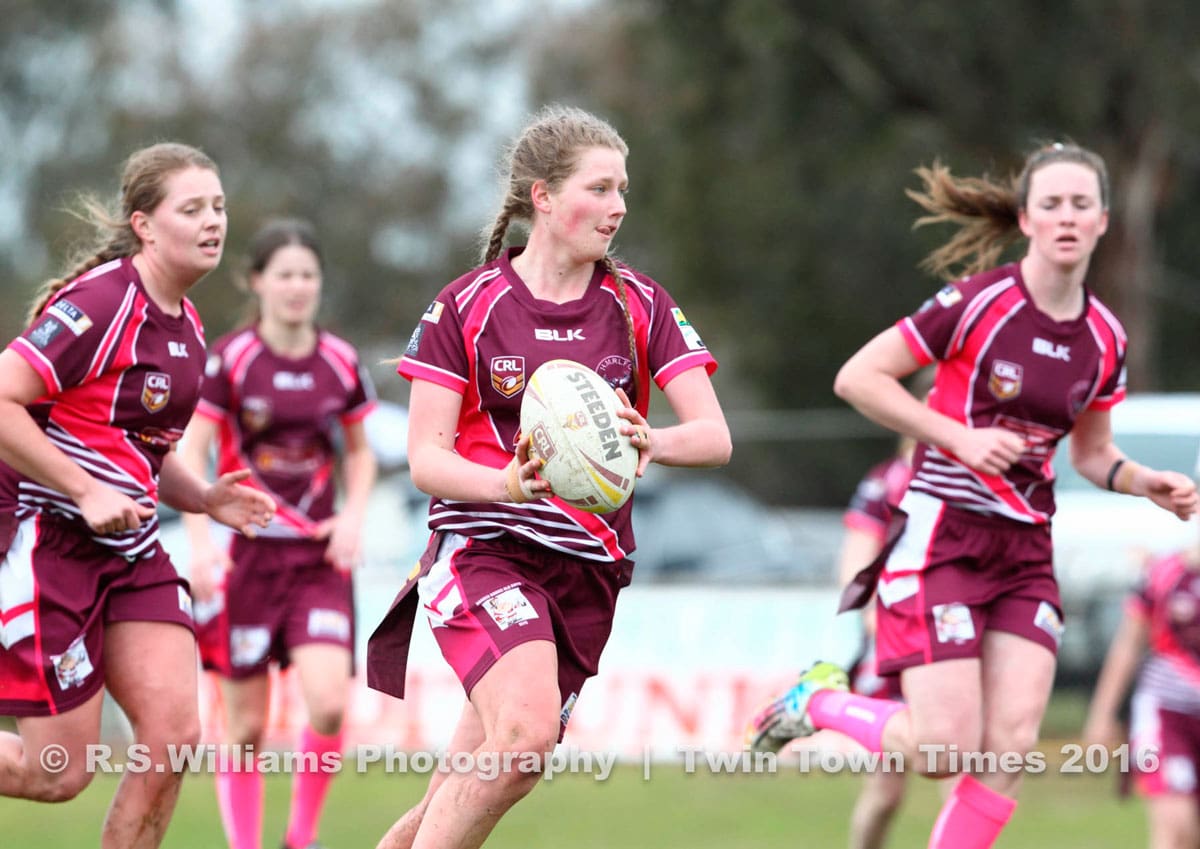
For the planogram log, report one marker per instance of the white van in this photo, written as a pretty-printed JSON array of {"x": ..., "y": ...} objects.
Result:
[{"x": 1101, "y": 540}]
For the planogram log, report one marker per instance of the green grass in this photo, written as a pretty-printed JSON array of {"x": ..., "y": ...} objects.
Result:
[{"x": 672, "y": 809}]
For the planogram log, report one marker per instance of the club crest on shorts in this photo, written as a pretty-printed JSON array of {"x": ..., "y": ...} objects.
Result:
[
  {"x": 509, "y": 607},
  {"x": 1005, "y": 380},
  {"x": 73, "y": 666},
  {"x": 156, "y": 391},
  {"x": 953, "y": 623},
  {"x": 248, "y": 645},
  {"x": 1048, "y": 620},
  {"x": 508, "y": 375},
  {"x": 323, "y": 622}
]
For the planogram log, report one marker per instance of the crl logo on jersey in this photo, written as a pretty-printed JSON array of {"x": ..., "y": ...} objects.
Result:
[
  {"x": 1005, "y": 380},
  {"x": 290, "y": 380},
  {"x": 508, "y": 375},
  {"x": 1048, "y": 349},
  {"x": 156, "y": 391},
  {"x": 543, "y": 335}
]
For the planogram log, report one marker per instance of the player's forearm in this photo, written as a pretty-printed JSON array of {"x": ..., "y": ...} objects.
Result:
[
  {"x": 29, "y": 451},
  {"x": 359, "y": 471},
  {"x": 180, "y": 487}
]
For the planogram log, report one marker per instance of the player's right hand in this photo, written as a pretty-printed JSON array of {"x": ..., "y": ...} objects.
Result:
[{"x": 990, "y": 450}]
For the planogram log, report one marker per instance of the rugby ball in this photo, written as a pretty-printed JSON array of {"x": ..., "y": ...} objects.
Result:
[{"x": 570, "y": 414}]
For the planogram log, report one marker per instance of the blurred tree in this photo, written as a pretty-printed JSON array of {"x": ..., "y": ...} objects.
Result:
[
  {"x": 771, "y": 143},
  {"x": 771, "y": 146},
  {"x": 379, "y": 121}
]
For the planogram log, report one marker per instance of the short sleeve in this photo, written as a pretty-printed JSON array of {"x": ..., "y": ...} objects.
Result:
[
  {"x": 72, "y": 340},
  {"x": 436, "y": 350},
  {"x": 930, "y": 331}
]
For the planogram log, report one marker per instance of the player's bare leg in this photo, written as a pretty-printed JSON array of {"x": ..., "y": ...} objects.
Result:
[
  {"x": 150, "y": 669},
  {"x": 468, "y": 736},
  {"x": 518, "y": 721},
  {"x": 30, "y": 762}
]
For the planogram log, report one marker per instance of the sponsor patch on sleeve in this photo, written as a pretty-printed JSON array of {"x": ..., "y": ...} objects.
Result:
[
  {"x": 949, "y": 296},
  {"x": 434, "y": 313},
  {"x": 72, "y": 316},
  {"x": 43, "y": 334},
  {"x": 414, "y": 341},
  {"x": 690, "y": 336}
]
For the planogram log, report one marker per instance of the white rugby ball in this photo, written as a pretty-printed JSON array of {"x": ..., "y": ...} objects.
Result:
[{"x": 570, "y": 414}]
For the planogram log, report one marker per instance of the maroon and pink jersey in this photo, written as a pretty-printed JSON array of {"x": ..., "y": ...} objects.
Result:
[
  {"x": 122, "y": 378},
  {"x": 878, "y": 493},
  {"x": 486, "y": 333},
  {"x": 277, "y": 417},
  {"x": 1004, "y": 363},
  {"x": 1169, "y": 602}
]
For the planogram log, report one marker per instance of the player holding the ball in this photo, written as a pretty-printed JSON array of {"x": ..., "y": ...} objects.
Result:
[{"x": 519, "y": 586}]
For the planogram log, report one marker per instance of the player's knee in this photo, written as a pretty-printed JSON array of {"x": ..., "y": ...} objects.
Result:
[
  {"x": 57, "y": 787},
  {"x": 326, "y": 718},
  {"x": 522, "y": 746},
  {"x": 1018, "y": 737},
  {"x": 245, "y": 730},
  {"x": 530, "y": 734},
  {"x": 941, "y": 752}
]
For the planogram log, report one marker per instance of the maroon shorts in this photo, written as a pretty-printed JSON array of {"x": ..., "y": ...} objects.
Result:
[
  {"x": 866, "y": 680},
  {"x": 484, "y": 597},
  {"x": 59, "y": 589},
  {"x": 952, "y": 575},
  {"x": 1174, "y": 738},
  {"x": 280, "y": 594}
]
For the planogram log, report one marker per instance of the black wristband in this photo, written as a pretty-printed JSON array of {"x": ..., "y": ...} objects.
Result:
[{"x": 1112, "y": 474}]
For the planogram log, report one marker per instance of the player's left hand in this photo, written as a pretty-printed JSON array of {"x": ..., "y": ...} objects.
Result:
[
  {"x": 1172, "y": 491},
  {"x": 344, "y": 551},
  {"x": 240, "y": 507},
  {"x": 638, "y": 431}
]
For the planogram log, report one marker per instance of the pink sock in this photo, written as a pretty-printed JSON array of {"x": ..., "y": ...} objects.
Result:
[
  {"x": 858, "y": 717},
  {"x": 972, "y": 817},
  {"x": 240, "y": 799},
  {"x": 309, "y": 785}
]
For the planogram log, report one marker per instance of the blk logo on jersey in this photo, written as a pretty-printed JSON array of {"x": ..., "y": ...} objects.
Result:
[
  {"x": 543, "y": 334},
  {"x": 293, "y": 381},
  {"x": 156, "y": 391},
  {"x": 1005, "y": 380},
  {"x": 177, "y": 349},
  {"x": 1048, "y": 349},
  {"x": 508, "y": 375}
]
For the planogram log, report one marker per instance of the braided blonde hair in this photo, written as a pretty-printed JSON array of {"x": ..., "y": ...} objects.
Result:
[{"x": 549, "y": 149}]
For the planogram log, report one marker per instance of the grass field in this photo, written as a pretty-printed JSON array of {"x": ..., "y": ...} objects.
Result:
[{"x": 671, "y": 809}]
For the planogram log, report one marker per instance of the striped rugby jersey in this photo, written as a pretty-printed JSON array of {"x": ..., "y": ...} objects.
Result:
[
  {"x": 1004, "y": 363},
  {"x": 277, "y": 416},
  {"x": 485, "y": 334},
  {"x": 122, "y": 378}
]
